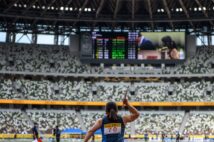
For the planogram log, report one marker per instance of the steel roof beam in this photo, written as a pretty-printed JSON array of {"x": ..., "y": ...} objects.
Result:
[
  {"x": 133, "y": 9},
  {"x": 61, "y": 13},
  {"x": 150, "y": 12},
  {"x": 31, "y": 4},
  {"x": 150, "y": 8},
  {"x": 82, "y": 8},
  {"x": 108, "y": 20},
  {"x": 5, "y": 2},
  {"x": 67, "y": 4},
  {"x": 186, "y": 12},
  {"x": 184, "y": 8},
  {"x": 98, "y": 11},
  {"x": 10, "y": 6},
  {"x": 168, "y": 12},
  {"x": 46, "y": 8},
  {"x": 116, "y": 9},
  {"x": 100, "y": 8},
  {"x": 204, "y": 11},
  {"x": 44, "y": 11}
]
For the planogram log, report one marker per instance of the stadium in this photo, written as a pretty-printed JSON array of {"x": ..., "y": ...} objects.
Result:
[{"x": 61, "y": 61}]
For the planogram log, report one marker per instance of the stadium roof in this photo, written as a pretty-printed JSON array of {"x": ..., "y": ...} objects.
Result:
[{"x": 29, "y": 14}]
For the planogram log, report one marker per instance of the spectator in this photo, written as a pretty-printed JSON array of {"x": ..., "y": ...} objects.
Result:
[{"x": 144, "y": 43}]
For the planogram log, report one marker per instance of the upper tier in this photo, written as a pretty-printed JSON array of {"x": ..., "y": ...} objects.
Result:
[{"x": 57, "y": 59}]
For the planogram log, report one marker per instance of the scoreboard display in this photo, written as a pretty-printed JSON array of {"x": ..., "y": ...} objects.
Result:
[
  {"x": 110, "y": 46},
  {"x": 138, "y": 46},
  {"x": 114, "y": 45}
]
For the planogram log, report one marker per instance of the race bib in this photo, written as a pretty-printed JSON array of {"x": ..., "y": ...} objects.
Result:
[{"x": 112, "y": 128}]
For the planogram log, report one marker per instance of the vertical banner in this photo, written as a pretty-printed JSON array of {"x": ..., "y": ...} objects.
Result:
[
  {"x": 191, "y": 45},
  {"x": 74, "y": 43},
  {"x": 86, "y": 45}
]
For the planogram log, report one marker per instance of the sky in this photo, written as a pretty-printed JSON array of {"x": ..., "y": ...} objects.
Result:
[
  {"x": 42, "y": 39},
  {"x": 49, "y": 39}
]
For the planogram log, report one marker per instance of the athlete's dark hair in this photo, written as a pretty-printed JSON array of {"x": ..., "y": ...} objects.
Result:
[
  {"x": 111, "y": 109},
  {"x": 167, "y": 41}
]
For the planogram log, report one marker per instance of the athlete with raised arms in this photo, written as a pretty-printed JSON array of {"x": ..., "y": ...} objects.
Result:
[{"x": 113, "y": 125}]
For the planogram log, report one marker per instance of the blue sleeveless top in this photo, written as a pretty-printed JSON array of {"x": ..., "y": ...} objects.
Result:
[{"x": 112, "y": 131}]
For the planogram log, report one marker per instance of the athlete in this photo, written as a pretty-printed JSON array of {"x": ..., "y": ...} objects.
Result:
[
  {"x": 172, "y": 47},
  {"x": 113, "y": 125},
  {"x": 57, "y": 133},
  {"x": 35, "y": 131}
]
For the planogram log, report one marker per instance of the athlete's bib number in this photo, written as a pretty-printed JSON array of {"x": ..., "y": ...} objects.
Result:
[{"x": 112, "y": 128}]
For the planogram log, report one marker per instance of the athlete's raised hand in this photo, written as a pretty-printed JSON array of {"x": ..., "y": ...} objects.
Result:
[{"x": 125, "y": 101}]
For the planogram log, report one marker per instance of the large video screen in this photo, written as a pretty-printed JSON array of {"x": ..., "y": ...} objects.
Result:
[
  {"x": 161, "y": 45},
  {"x": 139, "y": 45}
]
